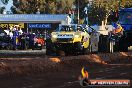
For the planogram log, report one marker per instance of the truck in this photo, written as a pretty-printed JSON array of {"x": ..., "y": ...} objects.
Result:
[
  {"x": 70, "y": 38},
  {"x": 116, "y": 42},
  {"x": 125, "y": 19}
]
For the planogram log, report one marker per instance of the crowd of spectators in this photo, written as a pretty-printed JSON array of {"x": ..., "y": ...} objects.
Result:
[{"x": 23, "y": 40}]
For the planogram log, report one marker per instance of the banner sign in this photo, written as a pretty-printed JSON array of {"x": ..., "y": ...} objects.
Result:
[
  {"x": 34, "y": 25},
  {"x": 8, "y": 25},
  {"x": 106, "y": 82}
]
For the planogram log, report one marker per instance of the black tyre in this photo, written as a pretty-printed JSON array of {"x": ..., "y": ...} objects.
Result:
[
  {"x": 79, "y": 46},
  {"x": 123, "y": 44},
  {"x": 40, "y": 48},
  {"x": 50, "y": 52},
  {"x": 50, "y": 48},
  {"x": 8, "y": 47},
  {"x": 85, "y": 51},
  {"x": 14, "y": 47},
  {"x": 123, "y": 48}
]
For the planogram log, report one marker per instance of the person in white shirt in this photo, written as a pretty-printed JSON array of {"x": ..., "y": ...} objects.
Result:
[
  {"x": 20, "y": 31},
  {"x": 11, "y": 34}
]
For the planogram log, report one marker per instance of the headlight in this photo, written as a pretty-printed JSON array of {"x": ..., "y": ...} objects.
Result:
[
  {"x": 76, "y": 36},
  {"x": 54, "y": 36}
]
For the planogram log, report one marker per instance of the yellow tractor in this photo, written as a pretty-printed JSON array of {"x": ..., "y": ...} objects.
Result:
[{"x": 71, "y": 39}]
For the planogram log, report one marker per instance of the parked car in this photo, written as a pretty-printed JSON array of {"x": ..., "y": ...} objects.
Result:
[{"x": 5, "y": 41}]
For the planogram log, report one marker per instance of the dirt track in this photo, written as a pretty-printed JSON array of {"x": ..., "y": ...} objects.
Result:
[{"x": 62, "y": 72}]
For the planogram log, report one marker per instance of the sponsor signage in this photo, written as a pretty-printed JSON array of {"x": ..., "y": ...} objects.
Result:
[
  {"x": 107, "y": 82},
  {"x": 110, "y": 82},
  {"x": 34, "y": 25},
  {"x": 7, "y": 25}
]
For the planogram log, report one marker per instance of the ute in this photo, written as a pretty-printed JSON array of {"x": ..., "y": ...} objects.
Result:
[{"x": 71, "y": 39}]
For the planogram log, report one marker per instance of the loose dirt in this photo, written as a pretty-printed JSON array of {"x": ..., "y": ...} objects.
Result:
[{"x": 64, "y": 71}]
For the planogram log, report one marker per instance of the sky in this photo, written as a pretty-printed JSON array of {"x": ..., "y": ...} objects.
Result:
[{"x": 8, "y": 6}]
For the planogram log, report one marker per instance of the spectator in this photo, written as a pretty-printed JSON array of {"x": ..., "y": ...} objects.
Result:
[
  {"x": 22, "y": 40},
  {"x": 15, "y": 38},
  {"x": 7, "y": 31},
  {"x": 10, "y": 34},
  {"x": 20, "y": 31},
  {"x": 31, "y": 40},
  {"x": 117, "y": 29}
]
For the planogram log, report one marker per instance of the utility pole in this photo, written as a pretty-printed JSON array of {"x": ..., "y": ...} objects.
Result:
[
  {"x": 119, "y": 4},
  {"x": 78, "y": 13},
  {"x": 73, "y": 13}
]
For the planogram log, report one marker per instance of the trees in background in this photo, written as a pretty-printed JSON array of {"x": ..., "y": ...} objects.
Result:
[
  {"x": 44, "y": 6},
  {"x": 27, "y": 6},
  {"x": 2, "y": 9},
  {"x": 101, "y": 10},
  {"x": 98, "y": 10}
]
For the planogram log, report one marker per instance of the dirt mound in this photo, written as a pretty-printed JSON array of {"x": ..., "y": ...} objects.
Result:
[
  {"x": 27, "y": 66},
  {"x": 117, "y": 58},
  {"x": 62, "y": 72}
]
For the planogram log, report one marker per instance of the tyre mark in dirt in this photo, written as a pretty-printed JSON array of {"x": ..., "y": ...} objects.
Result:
[
  {"x": 123, "y": 73},
  {"x": 67, "y": 84},
  {"x": 118, "y": 70},
  {"x": 109, "y": 69}
]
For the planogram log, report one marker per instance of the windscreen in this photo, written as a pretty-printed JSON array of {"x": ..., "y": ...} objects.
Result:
[
  {"x": 125, "y": 17},
  {"x": 67, "y": 28}
]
